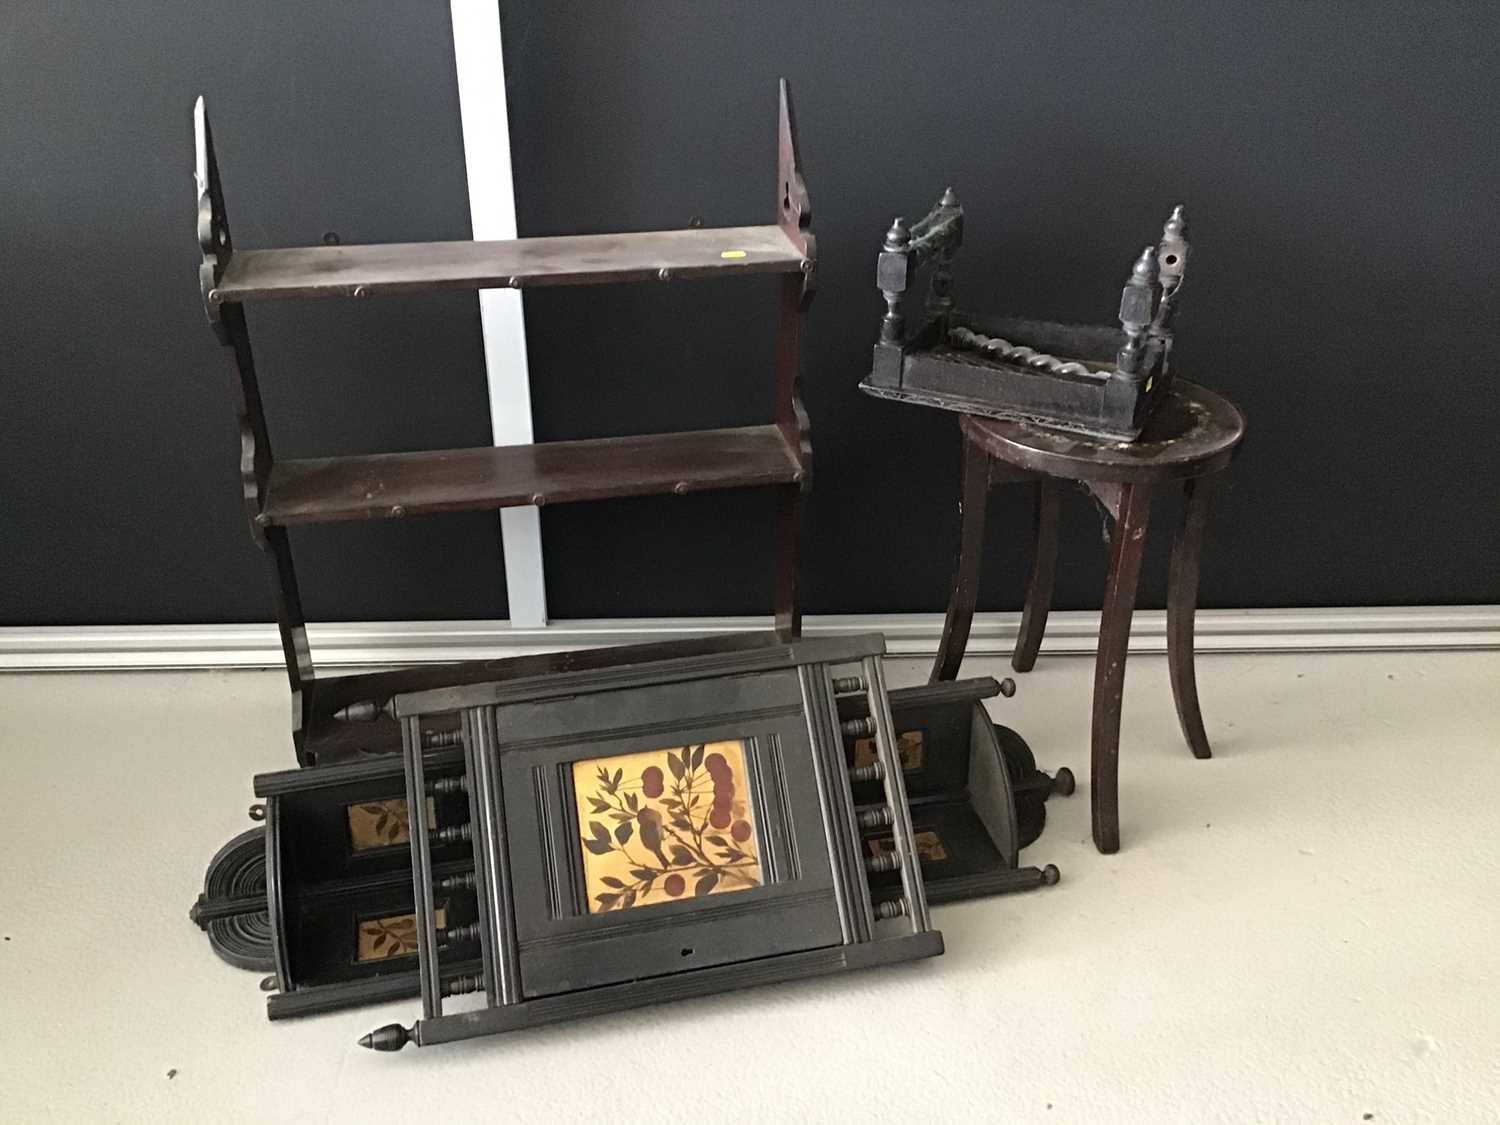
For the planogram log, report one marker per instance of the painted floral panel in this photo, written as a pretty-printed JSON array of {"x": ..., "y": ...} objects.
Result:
[
  {"x": 395, "y": 936},
  {"x": 382, "y": 824},
  {"x": 930, "y": 847},
  {"x": 663, "y": 825},
  {"x": 909, "y": 748}
]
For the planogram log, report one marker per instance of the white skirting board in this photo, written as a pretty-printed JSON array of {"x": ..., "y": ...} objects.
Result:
[{"x": 70, "y": 648}]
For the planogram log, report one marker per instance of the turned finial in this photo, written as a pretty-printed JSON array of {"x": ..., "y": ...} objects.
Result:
[
  {"x": 1135, "y": 310},
  {"x": 1143, "y": 273},
  {"x": 391, "y": 1037},
  {"x": 1172, "y": 253},
  {"x": 892, "y": 275}
]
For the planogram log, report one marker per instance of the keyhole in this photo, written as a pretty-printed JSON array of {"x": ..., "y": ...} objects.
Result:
[
  {"x": 687, "y": 952},
  {"x": 786, "y": 197}
]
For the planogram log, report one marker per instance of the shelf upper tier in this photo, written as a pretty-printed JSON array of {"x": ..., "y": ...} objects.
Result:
[
  {"x": 410, "y": 267},
  {"x": 389, "y": 485}
]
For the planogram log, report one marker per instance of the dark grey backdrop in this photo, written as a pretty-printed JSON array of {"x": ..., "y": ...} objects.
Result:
[{"x": 1340, "y": 164}]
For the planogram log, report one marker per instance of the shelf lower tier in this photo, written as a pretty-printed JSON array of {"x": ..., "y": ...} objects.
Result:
[
  {"x": 410, "y": 267},
  {"x": 391, "y": 485}
]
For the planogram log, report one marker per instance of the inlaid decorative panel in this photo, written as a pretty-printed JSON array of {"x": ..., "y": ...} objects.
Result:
[
  {"x": 909, "y": 746},
  {"x": 930, "y": 847},
  {"x": 667, "y": 824},
  {"x": 394, "y": 936},
  {"x": 382, "y": 824}
]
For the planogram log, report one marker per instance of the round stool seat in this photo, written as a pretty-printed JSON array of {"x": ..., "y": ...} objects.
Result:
[{"x": 1193, "y": 433}]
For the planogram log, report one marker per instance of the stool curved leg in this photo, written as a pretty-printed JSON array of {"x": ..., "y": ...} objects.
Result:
[
  {"x": 1127, "y": 544},
  {"x": 974, "y": 499},
  {"x": 1043, "y": 572},
  {"x": 1182, "y": 606}
]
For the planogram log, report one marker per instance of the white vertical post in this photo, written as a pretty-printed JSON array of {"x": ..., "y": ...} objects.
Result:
[{"x": 492, "y": 211}]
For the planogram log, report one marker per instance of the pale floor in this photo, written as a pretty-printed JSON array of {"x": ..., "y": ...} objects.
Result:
[{"x": 1305, "y": 928}]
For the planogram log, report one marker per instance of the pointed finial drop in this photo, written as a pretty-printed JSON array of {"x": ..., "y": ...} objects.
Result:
[
  {"x": 1176, "y": 226},
  {"x": 950, "y": 198},
  {"x": 899, "y": 235},
  {"x": 391, "y": 1037},
  {"x": 362, "y": 711}
]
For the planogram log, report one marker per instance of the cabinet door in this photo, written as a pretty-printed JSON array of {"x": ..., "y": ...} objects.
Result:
[{"x": 663, "y": 828}]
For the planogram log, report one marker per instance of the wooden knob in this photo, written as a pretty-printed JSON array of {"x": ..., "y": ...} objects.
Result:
[
  {"x": 461, "y": 935},
  {"x": 454, "y": 834},
  {"x": 881, "y": 817},
  {"x": 458, "y": 986}
]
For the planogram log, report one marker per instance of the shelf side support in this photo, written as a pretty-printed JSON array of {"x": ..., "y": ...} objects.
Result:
[
  {"x": 228, "y": 323},
  {"x": 794, "y": 216},
  {"x": 794, "y": 207}
]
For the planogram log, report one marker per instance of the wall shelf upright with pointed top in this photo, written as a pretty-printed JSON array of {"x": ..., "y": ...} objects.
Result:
[{"x": 281, "y": 493}]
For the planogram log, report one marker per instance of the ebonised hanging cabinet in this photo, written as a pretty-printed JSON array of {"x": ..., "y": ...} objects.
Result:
[
  {"x": 324, "y": 895},
  {"x": 281, "y": 494}
]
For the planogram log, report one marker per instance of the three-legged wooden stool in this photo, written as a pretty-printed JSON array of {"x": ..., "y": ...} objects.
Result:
[{"x": 1192, "y": 437}]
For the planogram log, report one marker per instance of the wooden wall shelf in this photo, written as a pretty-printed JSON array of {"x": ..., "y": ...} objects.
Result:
[
  {"x": 392, "y": 485},
  {"x": 279, "y": 494},
  {"x": 419, "y": 267}
]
